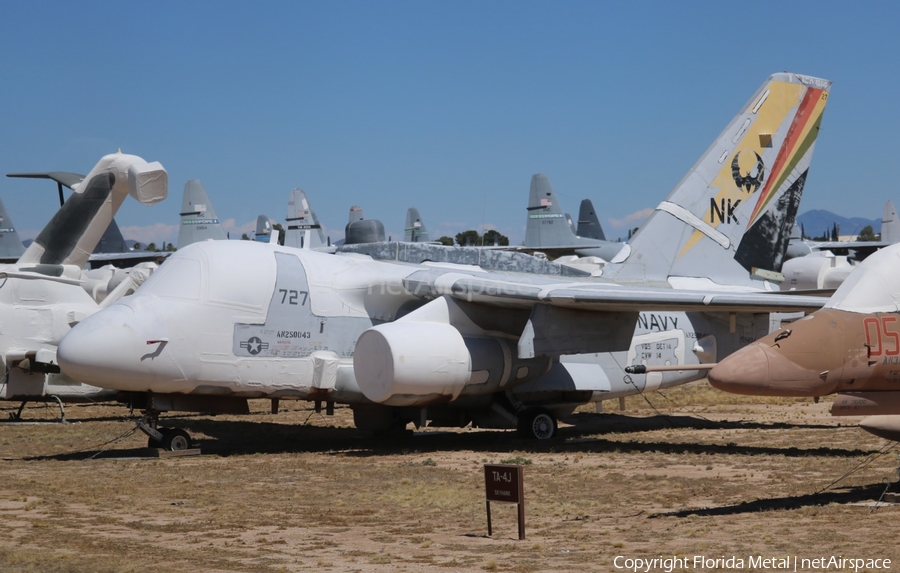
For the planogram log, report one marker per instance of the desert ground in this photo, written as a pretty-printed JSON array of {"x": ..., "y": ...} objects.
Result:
[{"x": 684, "y": 473}]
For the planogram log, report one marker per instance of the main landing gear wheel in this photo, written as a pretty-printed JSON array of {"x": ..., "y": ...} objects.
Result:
[
  {"x": 537, "y": 424},
  {"x": 174, "y": 440}
]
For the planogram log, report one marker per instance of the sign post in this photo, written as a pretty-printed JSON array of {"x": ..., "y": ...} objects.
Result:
[{"x": 503, "y": 483}]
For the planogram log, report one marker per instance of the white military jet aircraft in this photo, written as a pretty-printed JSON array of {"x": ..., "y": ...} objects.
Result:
[
  {"x": 44, "y": 293},
  {"x": 454, "y": 344}
]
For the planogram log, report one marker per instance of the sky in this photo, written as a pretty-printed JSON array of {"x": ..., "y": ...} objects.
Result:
[{"x": 446, "y": 106}]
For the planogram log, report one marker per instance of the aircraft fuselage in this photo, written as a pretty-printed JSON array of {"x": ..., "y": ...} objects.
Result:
[{"x": 289, "y": 329}]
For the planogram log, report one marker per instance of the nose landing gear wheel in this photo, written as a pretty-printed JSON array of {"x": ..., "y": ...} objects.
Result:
[
  {"x": 537, "y": 424},
  {"x": 174, "y": 440}
]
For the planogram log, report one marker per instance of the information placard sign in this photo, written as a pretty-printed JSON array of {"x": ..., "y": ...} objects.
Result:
[{"x": 504, "y": 483}]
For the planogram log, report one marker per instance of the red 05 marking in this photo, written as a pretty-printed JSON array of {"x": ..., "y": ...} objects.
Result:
[{"x": 881, "y": 340}]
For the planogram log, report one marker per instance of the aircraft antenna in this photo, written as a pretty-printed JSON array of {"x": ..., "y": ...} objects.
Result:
[{"x": 483, "y": 215}]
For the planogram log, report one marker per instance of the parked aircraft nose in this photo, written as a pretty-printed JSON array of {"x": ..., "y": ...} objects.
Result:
[
  {"x": 763, "y": 370},
  {"x": 115, "y": 349}
]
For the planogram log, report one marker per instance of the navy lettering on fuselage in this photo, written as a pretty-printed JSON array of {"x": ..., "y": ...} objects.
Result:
[{"x": 659, "y": 323}]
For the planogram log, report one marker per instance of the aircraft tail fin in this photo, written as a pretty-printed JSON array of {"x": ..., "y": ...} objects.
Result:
[
  {"x": 356, "y": 214},
  {"x": 263, "y": 229},
  {"x": 74, "y": 231},
  {"x": 11, "y": 247},
  {"x": 730, "y": 218},
  {"x": 588, "y": 224},
  {"x": 547, "y": 224},
  {"x": 303, "y": 228},
  {"x": 890, "y": 224},
  {"x": 112, "y": 240},
  {"x": 199, "y": 221},
  {"x": 416, "y": 231}
]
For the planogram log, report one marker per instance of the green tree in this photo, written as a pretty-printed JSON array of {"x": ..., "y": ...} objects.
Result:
[
  {"x": 446, "y": 241},
  {"x": 245, "y": 237},
  {"x": 826, "y": 236},
  {"x": 136, "y": 247},
  {"x": 152, "y": 248},
  {"x": 835, "y": 232},
  {"x": 170, "y": 248},
  {"x": 867, "y": 234},
  {"x": 468, "y": 238},
  {"x": 494, "y": 237}
]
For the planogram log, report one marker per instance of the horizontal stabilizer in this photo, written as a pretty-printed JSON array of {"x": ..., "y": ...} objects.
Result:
[
  {"x": 64, "y": 178},
  {"x": 74, "y": 231}
]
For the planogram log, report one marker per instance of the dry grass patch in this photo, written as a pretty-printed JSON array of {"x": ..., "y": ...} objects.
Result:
[{"x": 296, "y": 491}]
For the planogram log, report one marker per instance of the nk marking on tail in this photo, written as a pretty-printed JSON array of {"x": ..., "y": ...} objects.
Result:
[
  {"x": 734, "y": 210},
  {"x": 777, "y": 130}
]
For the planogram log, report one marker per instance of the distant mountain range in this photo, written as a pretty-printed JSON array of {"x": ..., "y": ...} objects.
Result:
[{"x": 817, "y": 222}]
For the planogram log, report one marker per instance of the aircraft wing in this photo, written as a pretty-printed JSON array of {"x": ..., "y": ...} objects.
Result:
[
  {"x": 126, "y": 259},
  {"x": 603, "y": 296},
  {"x": 871, "y": 245}
]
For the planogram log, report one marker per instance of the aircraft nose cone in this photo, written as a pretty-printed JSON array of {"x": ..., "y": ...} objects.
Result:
[
  {"x": 764, "y": 370},
  {"x": 744, "y": 372},
  {"x": 885, "y": 426},
  {"x": 106, "y": 350}
]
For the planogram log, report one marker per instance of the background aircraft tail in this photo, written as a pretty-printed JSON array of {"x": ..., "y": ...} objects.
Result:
[
  {"x": 356, "y": 214},
  {"x": 303, "y": 228},
  {"x": 588, "y": 224},
  {"x": 263, "y": 229},
  {"x": 547, "y": 225},
  {"x": 730, "y": 218},
  {"x": 11, "y": 247},
  {"x": 74, "y": 231},
  {"x": 416, "y": 231},
  {"x": 112, "y": 240},
  {"x": 199, "y": 221},
  {"x": 890, "y": 224}
]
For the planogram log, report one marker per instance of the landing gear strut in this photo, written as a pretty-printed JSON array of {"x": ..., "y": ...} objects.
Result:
[
  {"x": 62, "y": 410},
  {"x": 170, "y": 439},
  {"x": 536, "y": 424}
]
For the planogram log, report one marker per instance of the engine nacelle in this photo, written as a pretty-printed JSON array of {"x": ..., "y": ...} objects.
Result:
[
  {"x": 816, "y": 271},
  {"x": 418, "y": 363}
]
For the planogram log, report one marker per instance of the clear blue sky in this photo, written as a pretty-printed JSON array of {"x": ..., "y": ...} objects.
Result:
[{"x": 447, "y": 106}]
